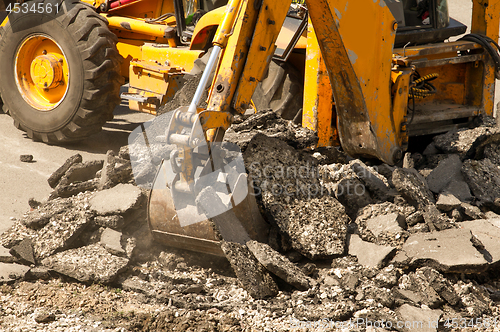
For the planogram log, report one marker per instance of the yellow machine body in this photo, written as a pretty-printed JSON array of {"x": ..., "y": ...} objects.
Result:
[{"x": 357, "y": 85}]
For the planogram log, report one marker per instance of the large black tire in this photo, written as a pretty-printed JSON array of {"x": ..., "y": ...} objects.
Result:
[
  {"x": 281, "y": 90},
  {"x": 94, "y": 71}
]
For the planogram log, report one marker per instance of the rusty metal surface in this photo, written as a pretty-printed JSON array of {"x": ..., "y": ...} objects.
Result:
[{"x": 201, "y": 236}]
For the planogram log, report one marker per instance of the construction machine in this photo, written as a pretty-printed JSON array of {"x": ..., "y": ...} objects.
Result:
[{"x": 374, "y": 73}]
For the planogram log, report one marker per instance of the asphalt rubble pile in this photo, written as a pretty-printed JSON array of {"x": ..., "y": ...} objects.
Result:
[{"x": 352, "y": 244}]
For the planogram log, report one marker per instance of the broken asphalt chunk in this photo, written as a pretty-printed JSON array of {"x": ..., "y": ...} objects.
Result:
[
  {"x": 279, "y": 265},
  {"x": 483, "y": 178},
  {"x": 12, "y": 272},
  {"x": 392, "y": 222},
  {"x": 119, "y": 199},
  {"x": 418, "y": 319},
  {"x": 488, "y": 232},
  {"x": 252, "y": 275},
  {"x": 91, "y": 263},
  {"x": 450, "y": 250},
  {"x": 23, "y": 251},
  {"x": 369, "y": 254},
  {"x": 413, "y": 187},
  {"x": 447, "y": 170},
  {"x": 467, "y": 142},
  {"x": 58, "y": 174},
  {"x": 447, "y": 202}
]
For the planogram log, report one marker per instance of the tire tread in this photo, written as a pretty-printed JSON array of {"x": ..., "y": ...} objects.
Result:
[{"x": 102, "y": 79}]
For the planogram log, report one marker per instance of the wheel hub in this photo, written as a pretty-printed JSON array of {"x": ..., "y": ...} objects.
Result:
[
  {"x": 42, "y": 72},
  {"x": 46, "y": 71}
]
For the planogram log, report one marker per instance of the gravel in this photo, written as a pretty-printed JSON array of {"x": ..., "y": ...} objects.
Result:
[{"x": 306, "y": 274}]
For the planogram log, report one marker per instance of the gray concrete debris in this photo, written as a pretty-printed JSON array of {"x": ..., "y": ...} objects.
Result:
[
  {"x": 439, "y": 283},
  {"x": 460, "y": 189},
  {"x": 447, "y": 202},
  {"x": 483, "y": 178},
  {"x": 386, "y": 171},
  {"x": 33, "y": 203},
  {"x": 369, "y": 254},
  {"x": 5, "y": 256},
  {"x": 492, "y": 152},
  {"x": 472, "y": 211},
  {"x": 115, "y": 170},
  {"x": 418, "y": 319},
  {"x": 60, "y": 233},
  {"x": 136, "y": 284},
  {"x": 432, "y": 161},
  {"x": 415, "y": 218},
  {"x": 107, "y": 170},
  {"x": 447, "y": 170},
  {"x": 352, "y": 193},
  {"x": 488, "y": 233},
  {"x": 490, "y": 215},
  {"x": 254, "y": 278},
  {"x": 23, "y": 251},
  {"x": 388, "y": 277},
  {"x": 81, "y": 172},
  {"x": 15, "y": 234},
  {"x": 413, "y": 160},
  {"x": 379, "y": 209},
  {"x": 114, "y": 221},
  {"x": 272, "y": 125},
  {"x": 415, "y": 290},
  {"x": 73, "y": 189},
  {"x": 430, "y": 150},
  {"x": 317, "y": 228},
  {"x": 91, "y": 263},
  {"x": 279, "y": 265},
  {"x": 292, "y": 195},
  {"x": 111, "y": 240},
  {"x": 26, "y": 158},
  {"x": 38, "y": 272},
  {"x": 12, "y": 272},
  {"x": 412, "y": 187},
  {"x": 145, "y": 159},
  {"x": 474, "y": 298},
  {"x": 45, "y": 317},
  {"x": 124, "y": 153},
  {"x": 54, "y": 178},
  {"x": 426, "y": 286},
  {"x": 226, "y": 222},
  {"x": 393, "y": 223},
  {"x": 328, "y": 155},
  {"x": 467, "y": 142},
  {"x": 143, "y": 242},
  {"x": 38, "y": 218},
  {"x": 451, "y": 250},
  {"x": 435, "y": 220},
  {"x": 376, "y": 183},
  {"x": 117, "y": 200}
]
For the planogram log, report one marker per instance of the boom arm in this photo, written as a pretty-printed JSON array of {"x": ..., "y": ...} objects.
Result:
[{"x": 358, "y": 58}]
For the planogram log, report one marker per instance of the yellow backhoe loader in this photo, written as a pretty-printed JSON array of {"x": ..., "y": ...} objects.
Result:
[{"x": 375, "y": 73}]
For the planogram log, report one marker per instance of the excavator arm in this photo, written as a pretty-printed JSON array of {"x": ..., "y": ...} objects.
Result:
[
  {"x": 243, "y": 47},
  {"x": 358, "y": 59}
]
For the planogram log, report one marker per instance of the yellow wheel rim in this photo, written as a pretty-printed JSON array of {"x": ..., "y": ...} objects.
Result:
[{"x": 41, "y": 72}]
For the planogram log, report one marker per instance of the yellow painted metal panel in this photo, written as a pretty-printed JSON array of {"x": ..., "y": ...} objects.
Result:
[
  {"x": 318, "y": 108},
  {"x": 182, "y": 58},
  {"x": 129, "y": 49},
  {"x": 485, "y": 20},
  {"x": 359, "y": 61},
  {"x": 271, "y": 17},
  {"x": 140, "y": 26},
  {"x": 233, "y": 58}
]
